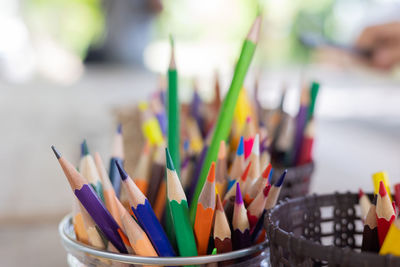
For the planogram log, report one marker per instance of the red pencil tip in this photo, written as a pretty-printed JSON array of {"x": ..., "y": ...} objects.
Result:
[
  {"x": 266, "y": 190},
  {"x": 360, "y": 193},
  {"x": 211, "y": 173},
  {"x": 382, "y": 189},
  {"x": 266, "y": 172},
  {"x": 246, "y": 172}
]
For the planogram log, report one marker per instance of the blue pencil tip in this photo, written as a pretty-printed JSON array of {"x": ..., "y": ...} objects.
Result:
[
  {"x": 281, "y": 179},
  {"x": 240, "y": 149},
  {"x": 270, "y": 175},
  {"x": 119, "y": 128},
  {"x": 121, "y": 171},
  {"x": 84, "y": 148}
]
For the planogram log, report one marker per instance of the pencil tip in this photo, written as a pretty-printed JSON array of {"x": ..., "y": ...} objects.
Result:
[
  {"x": 266, "y": 190},
  {"x": 382, "y": 189},
  {"x": 270, "y": 175},
  {"x": 238, "y": 198},
  {"x": 267, "y": 170},
  {"x": 84, "y": 148},
  {"x": 240, "y": 149},
  {"x": 360, "y": 193},
  {"x": 254, "y": 32},
  {"x": 121, "y": 171},
  {"x": 246, "y": 172},
  {"x": 119, "y": 128},
  {"x": 256, "y": 145},
  {"x": 170, "y": 164},
  {"x": 280, "y": 181},
  {"x": 219, "y": 203},
  {"x": 211, "y": 173},
  {"x": 56, "y": 152}
]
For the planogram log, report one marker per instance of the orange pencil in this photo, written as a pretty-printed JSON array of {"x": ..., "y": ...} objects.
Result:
[
  {"x": 108, "y": 189},
  {"x": 222, "y": 231},
  {"x": 256, "y": 207},
  {"x": 138, "y": 239},
  {"x": 79, "y": 225},
  {"x": 94, "y": 237},
  {"x": 205, "y": 212},
  {"x": 384, "y": 213},
  {"x": 141, "y": 176},
  {"x": 221, "y": 170},
  {"x": 258, "y": 185}
]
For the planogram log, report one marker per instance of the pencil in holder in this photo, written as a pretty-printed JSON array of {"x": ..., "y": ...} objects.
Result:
[{"x": 320, "y": 230}]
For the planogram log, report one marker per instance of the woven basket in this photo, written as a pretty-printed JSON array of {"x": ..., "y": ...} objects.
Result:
[{"x": 321, "y": 230}]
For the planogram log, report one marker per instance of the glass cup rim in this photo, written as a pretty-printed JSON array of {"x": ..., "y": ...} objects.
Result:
[{"x": 70, "y": 243}]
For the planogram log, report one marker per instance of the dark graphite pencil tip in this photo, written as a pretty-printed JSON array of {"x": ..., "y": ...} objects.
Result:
[
  {"x": 119, "y": 128},
  {"x": 280, "y": 181},
  {"x": 56, "y": 152},
  {"x": 84, "y": 148},
  {"x": 121, "y": 171},
  {"x": 170, "y": 164}
]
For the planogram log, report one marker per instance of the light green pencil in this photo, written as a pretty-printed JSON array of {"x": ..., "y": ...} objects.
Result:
[
  {"x": 225, "y": 115},
  {"x": 179, "y": 211}
]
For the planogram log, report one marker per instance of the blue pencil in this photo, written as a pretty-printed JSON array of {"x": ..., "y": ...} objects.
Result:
[
  {"x": 117, "y": 156},
  {"x": 145, "y": 216}
]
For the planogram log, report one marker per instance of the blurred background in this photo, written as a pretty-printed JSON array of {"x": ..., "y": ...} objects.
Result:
[{"x": 67, "y": 65}]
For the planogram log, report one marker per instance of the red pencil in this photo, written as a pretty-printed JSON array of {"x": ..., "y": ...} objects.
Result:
[{"x": 384, "y": 213}]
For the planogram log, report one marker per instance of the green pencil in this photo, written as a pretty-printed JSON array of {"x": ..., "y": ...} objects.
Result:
[
  {"x": 173, "y": 110},
  {"x": 179, "y": 211},
  {"x": 225, "y": 115},
  {"x": 313, "y": 97}
]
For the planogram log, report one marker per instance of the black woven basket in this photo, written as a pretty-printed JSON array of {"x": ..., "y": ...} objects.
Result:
[{"x": 321, "y": 230}]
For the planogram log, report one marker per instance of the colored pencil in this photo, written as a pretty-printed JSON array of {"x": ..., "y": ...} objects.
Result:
[
  {"x": 205, "y": 213},
  {"x": 254, "y": 172},
  {"x": 314, "y": 89},
  {"x": 79, "y": 226},
  {"x": 370, "y": 240},
  {"x": 117, "y": 155},
  {"x": 225, "y": 116},
  {"x": 255, "y": 232},
  {"x": 256, "y": 208},
  {"x": 145, "y": 216},
  {"x": 377, "y": 178},
  {"x": 157, "y": 174},
  {"x": 392, "y": 240},
  {"x": 221, "y": 182},
  {"x": 222, "y": 231},
  {"x": 248, "y": 135},
  {"x": 240, "y": 223},
  {"x": 159, "y": 112},
  {"x": 238, "y": 164},
  {"x": 173, "y": 110},
  {"x": 141, "y": 173},
  {"x": 88, "y": 170},
  {"x": 305, "y": 154},
  {"x": 108, "y": 190},
  {"x": 274, "y": 192},
  {"x": 92, "y": 203},
  {"x": 179, "y": 211},
  {"x": 384, "y": 212},
  {"x": 258, "y": 185},
  {"x": 364, "y": 203},
  {"x": 138, "y": 239},
  {"x": 94, "y": 237},
  {"x": 240, "y": 181},
  {"x": 397, "y": 194},
  {"x": 150, "y": 127}
]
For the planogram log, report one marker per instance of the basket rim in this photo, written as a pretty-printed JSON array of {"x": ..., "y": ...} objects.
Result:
[
  {"x": 70, "y": 243},
  {"x": 311, "y": 248}
]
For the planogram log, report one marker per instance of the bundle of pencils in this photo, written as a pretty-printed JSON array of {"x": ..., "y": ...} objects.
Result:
[
  {"x": 381, "y": 228},
  {"x": 190, "y": 157}
]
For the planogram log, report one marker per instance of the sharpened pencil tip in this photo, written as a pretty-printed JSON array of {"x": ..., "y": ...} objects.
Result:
[
  {"x": 382, "y": 189},
  {"x": 267, "y": 170},
  {"x": 360, "y": 193},
  {"x": 266, "y": 190},
  {"x": 270, "y": 175},
  {"x": 375, "y": 199},
  {"x": 219, "y": 203},
  {"x": 211, "y": 173},
  {"x": 170, "y": 163},
  {"x": 121, "y": 171},
  {"x": 84, "y": 148},
  {"x": 238, "y": 198},
  {"x": 256, "y": 145},
  {"x": 56, "y": 152},
  {"x": 281, "y": 179},
  {"x": 254, "y": 32},
  {"x": 246, "y": 172},
  {"x": 240, "y": 149},
  {"x": 119, "y": 128}
]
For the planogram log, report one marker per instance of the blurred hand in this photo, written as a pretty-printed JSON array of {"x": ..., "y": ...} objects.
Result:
[{"x": 383, "y": 42}]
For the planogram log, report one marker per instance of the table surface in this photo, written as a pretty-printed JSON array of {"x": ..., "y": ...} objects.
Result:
[{"x": 357, "y": 129}]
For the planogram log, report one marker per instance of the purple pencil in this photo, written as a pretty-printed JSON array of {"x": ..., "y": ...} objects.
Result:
[
  {"x": 240, "y": 222},
  {"x": 88, "y": 198}
]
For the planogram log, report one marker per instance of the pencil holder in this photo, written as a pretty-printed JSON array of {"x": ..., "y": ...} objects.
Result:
[
  {"x": 323, "y": 230},
  {"x": 81, "y": 255},
  {"x": 297, "y": 180}
]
